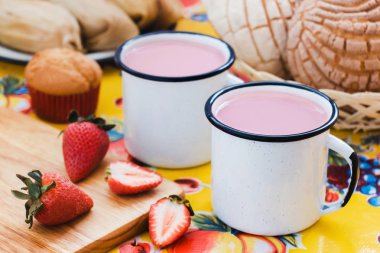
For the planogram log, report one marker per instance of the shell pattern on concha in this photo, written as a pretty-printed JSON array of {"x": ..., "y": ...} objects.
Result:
[
  {"x": 336, "y": 44},
  {"x": 256, "y": 29}
]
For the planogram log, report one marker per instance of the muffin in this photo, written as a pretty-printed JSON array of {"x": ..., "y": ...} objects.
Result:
[{"x": 61, "y": 80}]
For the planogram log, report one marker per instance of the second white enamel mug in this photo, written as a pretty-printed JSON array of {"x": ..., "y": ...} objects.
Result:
[
  {"x": 274, "y": 184},
  {"x": 163, "y": 116}
]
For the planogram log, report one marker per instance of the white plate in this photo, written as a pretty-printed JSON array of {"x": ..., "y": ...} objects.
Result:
[{"x": 14, "y": 56}]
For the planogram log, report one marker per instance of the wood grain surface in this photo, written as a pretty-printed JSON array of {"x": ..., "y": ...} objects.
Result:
[{"x": 27, "y": 144}]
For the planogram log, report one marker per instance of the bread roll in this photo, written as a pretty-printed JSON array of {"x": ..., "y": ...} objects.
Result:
[
  {"x": 336, "y": 45},
  {"x": 31, "y": 26},
  {"x": 104, "y": 25},
  {"x": 143, "y": 12},
  {"x": 256, "y": 29},
  {"x": 170, "y": 11}
]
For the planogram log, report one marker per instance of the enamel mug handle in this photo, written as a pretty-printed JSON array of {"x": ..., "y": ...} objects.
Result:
[
  {"x": 231, "y": 80},
  {"x": 349, "y": 154}
]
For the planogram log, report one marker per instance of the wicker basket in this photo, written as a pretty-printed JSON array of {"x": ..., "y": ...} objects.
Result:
[{"x": 357, "y": 111}]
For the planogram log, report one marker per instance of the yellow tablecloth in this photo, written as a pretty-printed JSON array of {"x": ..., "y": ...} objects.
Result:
[{"x": 355, "y": 228}]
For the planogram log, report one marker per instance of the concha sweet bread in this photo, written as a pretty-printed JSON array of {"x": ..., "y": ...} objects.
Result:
[
  {"x": 256, "y": 29},
  {"x": 336, "y": 45},
  {"x": 104, "y": 25},
  {"x": 31, "y": 26}
]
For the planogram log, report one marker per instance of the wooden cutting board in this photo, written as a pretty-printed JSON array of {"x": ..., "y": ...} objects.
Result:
[{"x": 27, "y": 144}]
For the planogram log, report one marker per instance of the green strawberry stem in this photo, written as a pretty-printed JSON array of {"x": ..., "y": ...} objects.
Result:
[
  {"x": 99, "y": 122},
  {"x": 35, "y": 190},
  {"x": 179, "y": 200}
]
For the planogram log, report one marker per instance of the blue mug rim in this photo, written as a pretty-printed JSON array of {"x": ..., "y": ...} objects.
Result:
[{"x": 270, "y": 138}]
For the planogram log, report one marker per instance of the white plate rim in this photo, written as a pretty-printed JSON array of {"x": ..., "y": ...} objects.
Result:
[{"x": 22, "y": 58}]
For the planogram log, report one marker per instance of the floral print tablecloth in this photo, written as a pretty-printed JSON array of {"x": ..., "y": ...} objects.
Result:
[{"x": 355, "y": 228}]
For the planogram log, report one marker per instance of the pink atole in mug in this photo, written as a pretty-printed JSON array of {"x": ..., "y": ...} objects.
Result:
[
  {"x": 164, "y": 120},
  {"x": 274, "y": 184}
]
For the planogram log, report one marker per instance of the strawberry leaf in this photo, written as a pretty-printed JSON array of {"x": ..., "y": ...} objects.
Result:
[
  {"x": 36, "y": 175},
  {"x": 28, "y": 204},
  {"x": 20, "y": 195},
  {"x": 25, "y": 180},
  {"x": 34, "y": 191},
  {"x": 33, "y": 210},
  {"x": 188, "y": 205},
  {"x": 90, "y": 118},
  {"x": 107, "y": 127},
  {"x": 73, "y": 116},
  {"x": 99, "y": 121},
  {"x": 45, "y": 188},
  {"x": 179, "y": 200}
]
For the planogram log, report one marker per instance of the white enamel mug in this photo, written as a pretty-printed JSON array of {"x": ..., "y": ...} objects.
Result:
[
  {"x": 274, "y": 185},
  {"x": 164, "y": 119}
]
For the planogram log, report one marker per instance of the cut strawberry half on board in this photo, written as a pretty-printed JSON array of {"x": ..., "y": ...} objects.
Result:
[
  {"x": 169, "y": 219},
  {"x": 51, "y": 198},
  {"x": 129, "y": 178}
]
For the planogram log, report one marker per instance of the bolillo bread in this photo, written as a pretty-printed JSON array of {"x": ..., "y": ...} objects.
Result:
[
  {"x": 256, "y": 29},
  {"x": 104, "y": 25},
  {"x": 170, "y": 11},
  {"x": 143, "y": 12},
  {"x": 336, "y": 45},
  {"x": 31, "y": 26}
]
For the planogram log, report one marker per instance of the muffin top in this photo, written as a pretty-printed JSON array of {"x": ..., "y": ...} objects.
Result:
[{"x": 60, "y": 71}]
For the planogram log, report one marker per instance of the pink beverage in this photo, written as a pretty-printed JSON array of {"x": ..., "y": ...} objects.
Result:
[
  {"x": 174, "y": 58},
  {"x": 271, "y": 113}
]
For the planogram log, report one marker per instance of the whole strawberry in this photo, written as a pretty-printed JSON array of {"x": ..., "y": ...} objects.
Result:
[
  {"x": 134, "y": 247},
  {"x": 51, "y": 198},
  {"x": 169, "y": 219},
  {"x": 85, "y": 143}
]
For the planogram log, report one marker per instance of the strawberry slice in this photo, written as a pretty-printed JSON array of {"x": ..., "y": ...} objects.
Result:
[
  {"x": 169, "y": 219},
  {"x": 129, "y": 178}
]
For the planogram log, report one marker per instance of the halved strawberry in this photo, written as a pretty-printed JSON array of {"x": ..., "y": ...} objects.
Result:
[
  {"x": 130, "y": 178},
  {"x": 169, "y": 219}
]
